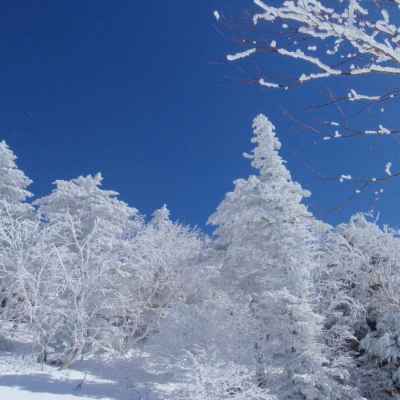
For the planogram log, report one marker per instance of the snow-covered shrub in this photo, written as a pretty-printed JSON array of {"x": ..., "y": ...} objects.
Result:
[{"x": 204, "y": 376}]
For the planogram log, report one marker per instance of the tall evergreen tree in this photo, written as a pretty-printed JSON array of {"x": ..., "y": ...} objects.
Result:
[{"x": 269, "y": 256}]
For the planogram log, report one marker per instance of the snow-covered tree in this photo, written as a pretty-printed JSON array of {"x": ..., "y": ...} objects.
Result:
[
  {"x": 164, "y": 258},
  {"x": 13, "y": 184},
  {"x": 205, "y": 343},
  {"x": 16, "y": 220},
  {"x": 269, "y": 259},
  {"x": 360, "y": 298},
  {"x": 89, "y": 231},
  {"x": 113, "y": 276},
  {"x": 207, "y": 317}
]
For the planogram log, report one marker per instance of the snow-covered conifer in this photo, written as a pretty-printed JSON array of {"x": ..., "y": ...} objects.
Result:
[
  {"x": 270, "y": 256},
  {"x": 13, "y": 184}
]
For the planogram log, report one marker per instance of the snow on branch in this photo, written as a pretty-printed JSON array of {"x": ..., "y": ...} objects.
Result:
[
  {"x": 388, "y": 169},
  {"x": 354, "y": 96},
  {"x": 349, "y": 30},
  {"x": 242, "y": 54},
  {"x": 263, "y": 82}
]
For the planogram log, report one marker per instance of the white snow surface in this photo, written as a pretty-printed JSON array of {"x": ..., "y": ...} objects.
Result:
[
  {"x": 18, "y": 394},
  {"x": 127, "y": 378}
]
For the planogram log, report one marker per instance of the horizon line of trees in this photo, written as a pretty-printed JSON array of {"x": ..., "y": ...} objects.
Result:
[{"x": 276, "y": 305}]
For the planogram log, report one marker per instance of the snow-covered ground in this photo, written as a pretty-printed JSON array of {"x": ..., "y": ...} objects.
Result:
[{"x": 129, "y": 378}]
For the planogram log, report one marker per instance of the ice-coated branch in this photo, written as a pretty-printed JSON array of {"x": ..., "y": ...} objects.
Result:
[{"x": 349, "y": 30}]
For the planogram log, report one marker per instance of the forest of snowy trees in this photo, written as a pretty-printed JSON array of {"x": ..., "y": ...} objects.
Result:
[{"x": 275, "y": 305}]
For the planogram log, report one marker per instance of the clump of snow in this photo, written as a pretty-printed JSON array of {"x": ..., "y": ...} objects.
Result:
[
  {"x": 263, "y": 82},
  {"x": 383, "y": 131},
  {"x": 388, "y": 168},
  {"x": 242, "y": 54},
  {"x": 343, "y": 178}
]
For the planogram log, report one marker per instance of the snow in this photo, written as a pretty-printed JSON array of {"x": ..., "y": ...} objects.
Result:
[
  {"x": 17, "y": 394},
  {"x": 388, "y": 168},
  {"x": 22, "y": 378},
  {"x": 354, "y": 96},
  {"x": 124, "y": 378},
  {"x": 263, "y": 82},
  {"x": 383, "y": 131},
  {"x": 242, "y": 54},
  {"x": 343, "y": 178}
]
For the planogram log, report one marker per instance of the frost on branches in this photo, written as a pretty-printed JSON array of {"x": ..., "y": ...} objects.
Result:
[
  {"x": 353, "y": 29},
  {"x": 359, "y": 290},
  {"x": 17, "y": 232},
  {"x": 352, "y": 40},
  {"x": 82, "y": 269},
  {"x": 207, "y": 377}
]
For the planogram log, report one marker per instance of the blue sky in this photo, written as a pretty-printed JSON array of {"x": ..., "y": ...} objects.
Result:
[{"x": 140, "y": 91}]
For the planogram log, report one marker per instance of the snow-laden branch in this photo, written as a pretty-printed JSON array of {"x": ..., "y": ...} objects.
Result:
[
  {"x": 242, "y": 54},
  {"x": 349, "y": 29},
  {"x": 354, "y": 96}
]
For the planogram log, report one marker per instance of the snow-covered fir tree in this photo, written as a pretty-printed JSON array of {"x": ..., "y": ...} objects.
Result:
[
  {"x": 269, "y": 258},
  {"x": 13, "y": 184}
]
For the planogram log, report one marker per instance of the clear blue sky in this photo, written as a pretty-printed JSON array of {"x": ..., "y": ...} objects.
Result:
[{"x": 138, "y": 90}]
